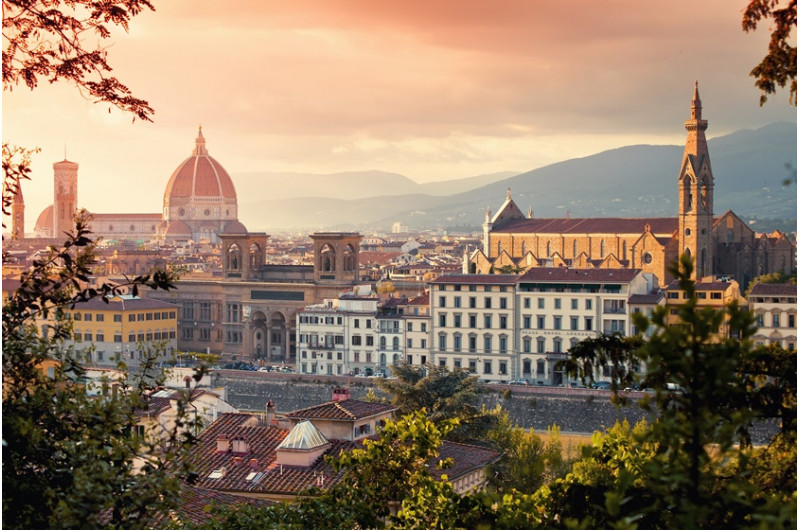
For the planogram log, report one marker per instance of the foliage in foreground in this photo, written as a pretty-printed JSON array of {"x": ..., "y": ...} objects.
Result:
[{"x": 71, "y": 460}]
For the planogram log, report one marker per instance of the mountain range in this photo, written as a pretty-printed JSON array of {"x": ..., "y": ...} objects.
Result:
[{"x": 749, "y": 166}]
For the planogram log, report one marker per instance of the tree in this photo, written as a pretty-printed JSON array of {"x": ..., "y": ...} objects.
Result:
[
  {"x": 71, "y": 460},
  {"x": 729, "y": 386},
  {"x": 779, "y": 65},
  {"x": 614, "y": 353},
  {"x": 444, "y": 394}
]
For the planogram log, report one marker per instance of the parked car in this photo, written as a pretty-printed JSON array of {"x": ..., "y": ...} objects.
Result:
[
  {"x": 601, "y": 385},
  {"x": 519, "y": 382}
]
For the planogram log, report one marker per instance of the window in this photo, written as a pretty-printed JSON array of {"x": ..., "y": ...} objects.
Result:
[
  {"x": 457, "y": 320},
  {"x": 503, "y": 344},
  {"x": 540, "y": 322},
  {"x": 442, "y": 362},
  {"x": 457, "y": 343},
  {"x": 539, "y": 368},
  {"x": 472, "y": 301},
  {"x": 503, "y": 322},
  {"x": 791, "y": 321},
  {"x": 487, "y": 367},
  {"x": 395, "y": 343},
  {"x": 540, "y": 303},
  {"x": 526, "y": 322},
  {"x": 540, "y": 345},
  {"x": 76, "y": 317},
  {"x": 117, "y": 318},
  {"x": 356, "y": 323},
  {"x": 573, "y": 323},
  {"x": 442, "y": 301},
  {"x": 776, "y": 320},
  {"x": 760, "y": 320},
  {"x": 487, "y": 343},
  {"x": 526, "y": 366},
  {"x": 487, "y": 321},
  {"x": 424, "y": 327},
  {"x": 456, "y": 363},
  {"x": 473, "y": 321},
  {"x": 409, "y": 344},
  {"x": 382, "y": 343},
  {"x": 588, "y": 304},
  {"x": 457, "y": 301},
  {"x": 355, "y": 340},
  {"x": 526, "y": 345},
  {"x": 716, "y": 296},
  {"x": 100, "y": 317},
  {"x": 87, "y": 336},
  {"x": 131, "y": 318},
  {"x": 503, "y": 368},
  {"x": 442, "y": 342},
  {"x": 487, "y": 302},
  {"x": 473, "y": 366},
  {"x": 117, "y": 336},
  {"x": 410, "y": 326},
  {"x": 556, "y": 322},
  {"x": 370, "y": 340},
  {"x": 131, "y": 337},
  {"x": 473, "y": 343},
  {"x": 574, "y": 303},
  {"x": 557, "y": 345},
  {"x": 442, "y": 320},
  {"x": 100, "y": 337},
  {"x": 503, "y": 303},
  {"x": 424, "y": 344},
  {"x": 77, "y": 336},
  {"x": 87, "y": 317},
  {"x": 233, "y": 311},
  {"x": 557, "y": 302},
  {"x": 369, "y": 323},
  {"x": 526, "y": 303},
  {"x": 588, "y": 323}
]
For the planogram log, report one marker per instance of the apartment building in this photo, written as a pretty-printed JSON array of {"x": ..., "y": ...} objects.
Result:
[
  {"x": 711, "y": 292},
  {"x": 775, "y": 309},
  {"x": 124, "y": 329},
  {"x": 472, "y": 321},
  {"x": 558, "y": 307},
  {"x": 417, "y": 324}
]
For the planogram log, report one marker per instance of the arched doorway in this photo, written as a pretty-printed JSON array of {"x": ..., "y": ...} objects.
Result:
[
  {"x": 258, "y": 328},
  {"x": 278, "y": 338}
]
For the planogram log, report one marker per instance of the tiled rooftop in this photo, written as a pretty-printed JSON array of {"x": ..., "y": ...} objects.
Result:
[
  {"x": 349, "y": 409},
  {"x": 564, "y": 274},
  {"x": 477, "y": 279},
  {"x": 597, "y": 225},
  {"x": 774, "y": 289}
]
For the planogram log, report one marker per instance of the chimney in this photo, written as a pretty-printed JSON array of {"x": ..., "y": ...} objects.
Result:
[
  {"x": 270, "y": 418},
  {"x": 341, "y": 394},
  {"x": 254, "y": 463},
  {"x": 240, "y": 446},
  {"x": 223, "y": 443}
]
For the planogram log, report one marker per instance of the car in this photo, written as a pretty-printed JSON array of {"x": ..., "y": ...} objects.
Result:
[
  {"x": 519, "y": 382},
  {"x": 601, "y": 385}
]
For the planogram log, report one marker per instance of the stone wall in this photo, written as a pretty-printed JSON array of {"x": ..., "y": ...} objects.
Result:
[{"x": 572, "y": 410}]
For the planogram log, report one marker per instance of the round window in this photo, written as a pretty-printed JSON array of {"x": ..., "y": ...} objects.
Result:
[
  {"x": 207, "y": 213},
  {"x": 110, "y": 228},
  {"x": 647, "y": 258}
]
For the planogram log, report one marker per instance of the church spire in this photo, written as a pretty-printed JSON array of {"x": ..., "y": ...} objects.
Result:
[{"x": 200, "y": 143}]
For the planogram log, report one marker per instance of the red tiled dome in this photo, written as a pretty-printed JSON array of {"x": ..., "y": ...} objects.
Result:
[
  {"x": 45, "y": 219},
  {"x": 178, "y": 228},
  {"x": 234, "y": 227},
  {"x": 199, "y": 176}
]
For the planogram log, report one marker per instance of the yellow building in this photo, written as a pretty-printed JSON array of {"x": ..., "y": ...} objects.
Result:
[
  {"x": 124, "y": 329},
  {"x": 711, "y": 292}
]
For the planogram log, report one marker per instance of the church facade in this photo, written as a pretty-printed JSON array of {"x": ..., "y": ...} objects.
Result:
[{"x": 719, "y": 245}]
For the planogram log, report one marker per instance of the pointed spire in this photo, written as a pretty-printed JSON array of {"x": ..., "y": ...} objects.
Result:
[
  {"x": 200, "y": 143},
  {"x": 488, "y": 215},
  {"x": 530, "y": 212},
  {"x": 697, "y": 107},
  {"x": 508, "y": 194}
]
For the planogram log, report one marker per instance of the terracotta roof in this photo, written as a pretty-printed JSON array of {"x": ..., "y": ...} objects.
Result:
[
  {"x": 382, "y": 258},
  {"x": 702, "y": 286},
  {"x": 349, "y": 409},
  {"x": 124, "y": 304},
  {"x": 477, "y": 279},
  {"x": 564, "y": 274},
  {"x": 645, "y": 299},
  {"x": 45, "y": 219},
  {"x": 258, "y": 473},
  {"x": 594, "y": 225},
  {"x": 100, "y": 217},
  {"x": 773, "y": 289},
  {"x": 196, "y": 503},
  {"x": 424, "y": 299}
]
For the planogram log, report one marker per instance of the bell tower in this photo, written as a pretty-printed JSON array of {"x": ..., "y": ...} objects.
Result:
[
  {"x": 18, "y": 214},
  {"x": 65, "y": 197},
  {"x": 696, "y": 193}
]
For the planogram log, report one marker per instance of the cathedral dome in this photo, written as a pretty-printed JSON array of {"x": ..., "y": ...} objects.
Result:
[
  {"x": 44, "y": 223},
  {"x": 234, "y": 227},
  {"x": 199, "y": 177}
]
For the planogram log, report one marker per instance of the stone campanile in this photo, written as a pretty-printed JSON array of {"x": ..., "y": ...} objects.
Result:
[
  {"x": 65, "y": 197},
  {"x": 18, "y": 214},
  {"x": 696, "y": 193}
]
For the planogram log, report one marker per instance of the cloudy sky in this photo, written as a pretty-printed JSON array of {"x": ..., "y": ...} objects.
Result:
[{"x": 433, "y": 90}]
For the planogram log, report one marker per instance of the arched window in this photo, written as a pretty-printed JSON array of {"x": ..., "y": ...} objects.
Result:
[
  {"x": 234, "y": 257},
  {"x": 383, "y": 343},
  {"x": 395, "y": 343},
  {"x": 574, "y": 248},
  {"x": 548, "y": 249},
  {"x": 603, "y": 248},
  {"x": 255, "y": 257},
  {"x": 349, "y": 258},
  {"x": 327, "y": 259}
]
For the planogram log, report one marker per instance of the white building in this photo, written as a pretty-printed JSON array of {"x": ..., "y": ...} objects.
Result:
[
  {"x": 417, "y": 319},
  {"x": 559, "y": 307},
  {"x": 775, "y": 308},
  {"x": 472, "y": 320}
]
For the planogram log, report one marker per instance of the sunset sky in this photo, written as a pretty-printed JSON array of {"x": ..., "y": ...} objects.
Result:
[{"x": 433, "y": 90}]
